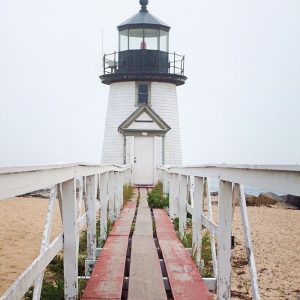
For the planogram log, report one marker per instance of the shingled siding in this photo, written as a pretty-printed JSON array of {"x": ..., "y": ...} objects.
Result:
[{"x": 121, "y": 105}]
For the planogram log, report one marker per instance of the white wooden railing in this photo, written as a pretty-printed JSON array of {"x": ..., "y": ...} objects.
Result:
[
  {"x": 72, "y": 184},
  {"x": 179, "y": 182}
]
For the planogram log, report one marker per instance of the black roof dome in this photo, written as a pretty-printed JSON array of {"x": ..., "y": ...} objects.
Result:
[{"x": 143, "y": 19}]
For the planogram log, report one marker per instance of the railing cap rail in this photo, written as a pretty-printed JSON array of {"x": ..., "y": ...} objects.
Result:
[{"x": 289, "y": 168}]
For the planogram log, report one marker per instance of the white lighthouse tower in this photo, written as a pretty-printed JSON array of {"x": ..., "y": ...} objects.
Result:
[{"x": 142, "y": 125}]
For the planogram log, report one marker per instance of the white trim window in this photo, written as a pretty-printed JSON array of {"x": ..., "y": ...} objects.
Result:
[{"x": 143, "y": 93}]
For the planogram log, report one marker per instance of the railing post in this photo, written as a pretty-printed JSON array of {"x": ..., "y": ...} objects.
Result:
[
  {"x": 117, "y": 193},
  {"x": 212, "y": 235},
  {"x": 70, "y": 247},
  {"x": 122, "y": 188},
  {"x": 172, "y": 197},
  {"x": 224, "y": 240},
  {"x": 45, "y": 241},
  {"x": 111, "y": 196},
  {"x": 103, "y": 204},
  {"x": 197, "y": 218},
  {"x": 176, "y": 195},
  {"x": 248, "y": 243},
  {"x": 91, "y": 189},
  {"x": 182, "y": 204},
  {"x": 165, "y": 182}
]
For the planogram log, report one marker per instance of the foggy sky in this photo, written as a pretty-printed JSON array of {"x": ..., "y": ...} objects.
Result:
[{"x": 240, "y": 104}]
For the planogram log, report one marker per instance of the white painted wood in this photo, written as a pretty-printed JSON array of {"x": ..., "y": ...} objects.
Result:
[
  {"x": 111, "y": 196},
  {"x": 211, "y": 226},
  {"x": 248, "y": 243},
  {"x": 285, "y": 179},
  {"x": 91, "y": 190},
  {"x": 224, "y": 240},
  {"x": 19, "y": 181},
  {"x": 70, "y": 247},
  {"x": 214, "y": 232},
  {"x": 117, "y": 194},
  {"x": 122, "y": 103},
  {"x": 182, "y": 204},
  {"x": 211, "y": 283},
  {"x": 104, "y": 204},
  {"x": 17, "y": 290},
  {"x": 172, "y": 196},
  {"x": 45, "y": 241},
  {"x": 121, "y": 177},
  {"x": 143, "y": 161},
  {"x": 176, "y": 195},
  {"x": 165, "y": 183},
  {"x": 197, "y": 218}
]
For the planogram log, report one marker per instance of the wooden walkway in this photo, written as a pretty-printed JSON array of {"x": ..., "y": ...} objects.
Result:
[{"x": 136, "y": 265}]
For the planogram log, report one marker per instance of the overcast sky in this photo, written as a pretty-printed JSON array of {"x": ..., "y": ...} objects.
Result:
[{"x": 241, "y": 103}]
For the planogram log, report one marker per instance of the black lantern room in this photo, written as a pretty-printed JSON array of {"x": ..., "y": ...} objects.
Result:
[{"x": 143, "y": 52}]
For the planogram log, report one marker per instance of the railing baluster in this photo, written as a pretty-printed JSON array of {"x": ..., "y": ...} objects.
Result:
[
  {"x": 70, "y": 247},
  {"x": 197, "y": 218},
  {"x": 212, "y": 235},
  {"x": 91, "y": 190},
  {"x": 182, "y": 204},
  {"x": 103, "y": 204},
  {"x": 248, "y": 242},
  {"x": 111, "y": 196},
  {"x": 224, "y": 240},
  {"x": 45, "y": 241}
]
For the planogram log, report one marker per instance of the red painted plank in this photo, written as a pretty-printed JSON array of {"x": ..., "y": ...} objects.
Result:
[
  {"x": 123, "y": 224},
  {"x": 106, "y": 281},
  {"x": 185, "y": 280}
]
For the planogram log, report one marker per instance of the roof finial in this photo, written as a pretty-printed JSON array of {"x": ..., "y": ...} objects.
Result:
[{"x": 144, "y": 5}]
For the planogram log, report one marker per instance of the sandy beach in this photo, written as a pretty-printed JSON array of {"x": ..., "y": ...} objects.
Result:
[
  {"x": 275, "y": 234},
  {"x": 21, "y": 230}
]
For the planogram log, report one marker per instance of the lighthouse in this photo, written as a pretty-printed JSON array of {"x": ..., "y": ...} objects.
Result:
[{"x": 142, "y": 124}]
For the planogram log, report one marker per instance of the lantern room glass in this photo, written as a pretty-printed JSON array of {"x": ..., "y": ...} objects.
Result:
[
  {"x": 148, "y": 39},
  {"x": 164, "y": 41},
  {"x": 136, "y": 39},
  {"x": 123, "y": 42},
  {"x": 151, "y": 39}
]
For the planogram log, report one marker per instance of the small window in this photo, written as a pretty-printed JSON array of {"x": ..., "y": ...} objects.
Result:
[{"x": 143, "y": 93}]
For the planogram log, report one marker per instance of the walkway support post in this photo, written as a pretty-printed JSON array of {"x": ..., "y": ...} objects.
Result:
[
  {"x": 182, "y": 204},
  {"x": 197, "y": 218},
  {"x": 224, "y": 240},
  {"x": 103, "y": 204},
  {"x": 70, "y": 247},
  {"x": 91, "y": 190}
]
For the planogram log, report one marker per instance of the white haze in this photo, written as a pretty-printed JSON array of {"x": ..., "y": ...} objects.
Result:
[{"x": 241, "y": 103}]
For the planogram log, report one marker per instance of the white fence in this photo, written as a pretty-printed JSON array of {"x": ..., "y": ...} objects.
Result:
[
  {"x": 73, "y": 185},
  {"x": 179, "y": 182}
]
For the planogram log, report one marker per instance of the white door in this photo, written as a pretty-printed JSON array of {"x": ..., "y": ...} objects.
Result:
[{"x": 143, "y": 161}]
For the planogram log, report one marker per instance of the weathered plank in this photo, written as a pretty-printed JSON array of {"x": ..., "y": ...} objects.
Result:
[
  {"x": 184, "y": 278},
  {"x": 123, "y": 224},
  {"x": 107, "y": 278},
  {"x": 145, "y": 279}
]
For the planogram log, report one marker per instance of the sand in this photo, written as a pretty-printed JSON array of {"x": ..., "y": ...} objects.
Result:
[
  {"x": 275, "y": 234},
  {"x": 21, "y": 230}
]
